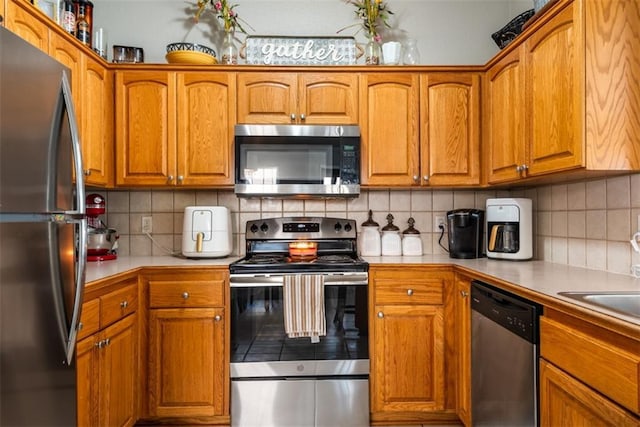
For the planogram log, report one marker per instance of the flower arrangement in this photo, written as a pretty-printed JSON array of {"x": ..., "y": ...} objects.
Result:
[
  {"x": 372, "y": 13},
  {"x": 224, "y": 12}
]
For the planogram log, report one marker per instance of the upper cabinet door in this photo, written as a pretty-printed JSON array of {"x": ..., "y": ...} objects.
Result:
[
  {"x": 450, "y": 128},
  {"x": 504, "y": 118},
  {"x": 328, "y": 98},
  {"x": 389, "y": 121},
  {"x": 26, "y": 25},
  {"x": 269, "y": 98},
  {"x": 145, "y": 131},
  {"x": 206, "y": 115},
  {"x": 555, "y": 94},
  {"x": 98, "y": 124}
]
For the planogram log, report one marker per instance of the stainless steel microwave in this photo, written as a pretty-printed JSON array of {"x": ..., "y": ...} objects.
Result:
[{"x": 297, "y": 161}]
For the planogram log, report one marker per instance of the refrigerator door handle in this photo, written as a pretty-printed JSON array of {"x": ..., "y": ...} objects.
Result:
[{"x": 81, "y": 259}]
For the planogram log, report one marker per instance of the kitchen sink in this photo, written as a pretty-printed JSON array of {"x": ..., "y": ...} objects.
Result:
[{"x": 625, "y": 302}]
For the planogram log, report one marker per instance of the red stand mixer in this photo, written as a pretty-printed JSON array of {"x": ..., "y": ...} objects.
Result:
[{"x": 102, "y": 242}]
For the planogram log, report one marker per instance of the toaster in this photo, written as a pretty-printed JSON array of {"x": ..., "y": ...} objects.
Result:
[{"x": 206, "y": 232}]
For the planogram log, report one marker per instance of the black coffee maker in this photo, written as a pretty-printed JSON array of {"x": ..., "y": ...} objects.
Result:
[{"x": 466, "y": 228}]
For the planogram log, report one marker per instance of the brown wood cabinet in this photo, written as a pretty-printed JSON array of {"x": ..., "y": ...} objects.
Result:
[
  {"x": 450, "y": 129},
  {"x": 603, "y": 360},
  {"x": 107, "y": 359},
  {"x": 410, "y": 380},
  {"x": 504, "y": 118},
  {"x": 564, "y": 401},
  {"x": 463, "y": 347},
  {"x": 389, "y": 125},
  {"x": 25, "y": 21},
  {"x": 572, "y": 67},
  {"x": 553, "y": 94},
  {"x": 188, "y": 362},
  {"x": 312, "y": 98},
  {"x": 97, "y": 124},
  {"x": 171, "y": 129}
]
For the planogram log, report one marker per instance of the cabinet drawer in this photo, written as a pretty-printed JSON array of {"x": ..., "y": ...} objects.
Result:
[
  {"x": 89, "y": 319},
  {"x": 612, "y": 370},
  {"x": 118, "y": 304},
  {"x": 186, "y": 294},
  {"x": 408, "y": 291}
]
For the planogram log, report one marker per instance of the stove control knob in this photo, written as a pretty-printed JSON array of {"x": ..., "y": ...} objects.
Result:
[
  {"x": 347, "y": 227},
  {"x": 338, "y": 226},
  {"x": 264, "y": 227},
  {"x": 254, "y": 228}
]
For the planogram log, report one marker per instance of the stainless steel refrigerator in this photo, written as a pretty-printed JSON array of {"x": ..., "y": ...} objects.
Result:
[{"x": 42, "y": 238}]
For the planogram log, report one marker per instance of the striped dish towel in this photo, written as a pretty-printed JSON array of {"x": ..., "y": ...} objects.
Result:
[{"x": 304, "y": 306}]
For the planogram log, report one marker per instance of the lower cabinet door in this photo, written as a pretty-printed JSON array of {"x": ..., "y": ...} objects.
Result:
[
  {"x": 408, "y": 359},
  {"x": 118, "y": 374},
  {"x": 186, "y": 362},
  {"x": 565, "y": 401}
]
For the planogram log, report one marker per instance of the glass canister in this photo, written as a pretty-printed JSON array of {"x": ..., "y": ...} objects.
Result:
[
  {"x": 369, "y": 240},
  {"x": 411, "y": 241},
  {"x": 391, "y": 240},
  {"x": 411, "y": 55},
  {"x": 84, "y": 21}
]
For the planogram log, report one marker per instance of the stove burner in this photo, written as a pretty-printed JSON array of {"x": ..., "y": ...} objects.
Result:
[
  {"x": 266, "y": 259},
  {"x": 334, "y": 259}
]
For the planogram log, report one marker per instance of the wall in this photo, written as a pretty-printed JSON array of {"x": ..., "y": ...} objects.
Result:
[
  {"x": 586, "y": 224},
  {"x": 448, "y": 31}
]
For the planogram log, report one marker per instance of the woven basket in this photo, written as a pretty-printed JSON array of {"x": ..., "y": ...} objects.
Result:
[{"x": 510, "y": 31}]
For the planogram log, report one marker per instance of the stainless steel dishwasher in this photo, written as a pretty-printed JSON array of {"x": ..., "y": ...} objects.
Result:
[{"x": 504, "y": 358}]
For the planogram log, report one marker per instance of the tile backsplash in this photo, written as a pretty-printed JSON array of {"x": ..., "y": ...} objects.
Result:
[{"x": 585, "y": 224}]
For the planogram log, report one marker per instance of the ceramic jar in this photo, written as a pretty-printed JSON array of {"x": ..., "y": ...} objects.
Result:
[
  {"x": 411, "y": 241},
  {"x": 391, "y": 240},
  {"x": 369, "y": 240}
]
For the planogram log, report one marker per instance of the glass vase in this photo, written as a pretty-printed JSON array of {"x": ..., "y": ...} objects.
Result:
[
  {"x": 411, "y": 54},
  {"x": 372, "y": 52},
  {"x": 228, "y": 50}
]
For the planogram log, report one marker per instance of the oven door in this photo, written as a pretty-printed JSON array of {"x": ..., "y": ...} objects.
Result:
[
  {"x": 279, "y": 381},
  {"x": 260, "y": 347}
]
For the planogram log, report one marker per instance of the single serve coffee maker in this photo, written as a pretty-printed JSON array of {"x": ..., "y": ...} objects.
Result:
[
  {"x": 466, "y": 228},
  {"x": 509, "y": 229}
]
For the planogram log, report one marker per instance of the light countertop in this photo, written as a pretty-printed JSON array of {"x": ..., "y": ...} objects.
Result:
[{"x": 534, "y": 277}]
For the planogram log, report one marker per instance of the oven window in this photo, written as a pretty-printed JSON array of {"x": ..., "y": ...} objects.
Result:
[{"x": 257, "y": 326}]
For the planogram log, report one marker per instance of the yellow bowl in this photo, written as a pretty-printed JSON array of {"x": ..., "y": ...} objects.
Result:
[{"x": 190, "y": 57}]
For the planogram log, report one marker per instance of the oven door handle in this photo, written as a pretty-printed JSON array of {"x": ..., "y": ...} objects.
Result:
[{"x": 266, "y": 280}]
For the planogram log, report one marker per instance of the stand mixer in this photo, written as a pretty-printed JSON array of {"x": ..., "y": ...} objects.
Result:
[{"x": 102, "y": 242}]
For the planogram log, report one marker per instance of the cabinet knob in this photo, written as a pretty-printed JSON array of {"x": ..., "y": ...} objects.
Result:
[
  {"x": 425, "y": 178},
  {"x": 518, "y": 168},
  {"x": 185, "y": 295},
  {"x": 180, "y": 179},
  {"x": 217, "y": 318},
  {"x": 409, "y": 292},
  {"x": 293, "y": 117},
  {"x": 380, "y": 314},
  {"x": 302, "y": 117},
  {"x": 464, "y": 294},
  {"x": 124, "y": 304},
  {"x": 87, "y": 172},
  {"x": 80, "y": 326},
  {"x": 169, "y": 178},
  {"x": 416, "y": 179},
  {"x": 99, "y": 344},
  {"x": 107, "y": 342}
]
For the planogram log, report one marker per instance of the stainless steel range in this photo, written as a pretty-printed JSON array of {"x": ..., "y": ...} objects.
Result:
[{"x": 282, "y": 379}]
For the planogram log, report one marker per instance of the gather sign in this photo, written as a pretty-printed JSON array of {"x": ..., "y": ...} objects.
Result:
[{"x": 281, "y": 50}]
